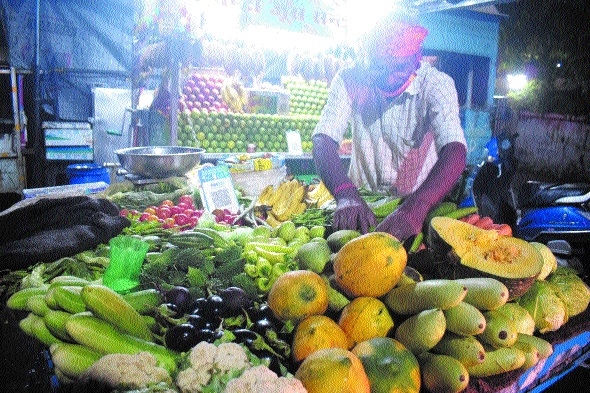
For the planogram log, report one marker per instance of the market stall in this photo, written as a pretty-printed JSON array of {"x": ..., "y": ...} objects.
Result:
[{"x": 210, "y": 261}]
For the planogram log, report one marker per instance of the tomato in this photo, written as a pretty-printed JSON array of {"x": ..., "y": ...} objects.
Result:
[
  {"x": 124, "y": 213},
  {"x": 151, "y": 210},
  {"x": 169, "y": 223},
  {"x": 148, "y": 217},
  {"x": 183, "y": 205},
  {"x": 176, "y": 210},
  {"x": 167, "y": 202},
  {"x": 188, "y": 199},
  {"x": 181, "y": 219},
  {"x": 164, "y": 212}
]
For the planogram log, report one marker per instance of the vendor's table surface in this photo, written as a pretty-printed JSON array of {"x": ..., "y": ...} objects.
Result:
[{"x": 26, "y": 365}]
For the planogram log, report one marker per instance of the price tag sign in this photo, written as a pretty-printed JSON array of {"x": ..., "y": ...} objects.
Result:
[
  {"x": 262, "y": 164},
  {"x": 217, "y": 189},
  {"x": 294, "y": 142}
]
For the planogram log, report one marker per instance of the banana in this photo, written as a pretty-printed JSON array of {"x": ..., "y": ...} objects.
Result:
[
  {"x": 286, "y": 211},
  {"x": 265, "y": 195}
]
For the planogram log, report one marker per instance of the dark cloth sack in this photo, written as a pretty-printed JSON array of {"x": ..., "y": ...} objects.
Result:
[{"x": 53, "y": 228}]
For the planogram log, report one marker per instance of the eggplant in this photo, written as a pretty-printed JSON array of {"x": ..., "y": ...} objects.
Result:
[
  {"x": 181, "y": 297},
  {"x": 181, "y": 337},
  {"x": 235, "y": 300}
]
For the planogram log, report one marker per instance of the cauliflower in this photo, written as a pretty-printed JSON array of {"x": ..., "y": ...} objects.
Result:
[
  {"x": 261, "y": 379},
  {"x": 126, "y": 371},
  {"x": 208, "y": 360}
]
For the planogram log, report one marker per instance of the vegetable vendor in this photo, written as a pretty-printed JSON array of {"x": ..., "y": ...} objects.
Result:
[{"x": 406, "y": 133}]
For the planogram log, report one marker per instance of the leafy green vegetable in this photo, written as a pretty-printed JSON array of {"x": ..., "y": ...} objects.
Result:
[
  {"x": 545, "y": 306},
  {"x": 573, "y": 291}
]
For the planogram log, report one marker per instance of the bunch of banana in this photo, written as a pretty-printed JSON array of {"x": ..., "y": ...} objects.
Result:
[
  {"x": 234, "y": 95},
  {"x": 318, "y": 194},
  {"x": 284, "y": 201}
]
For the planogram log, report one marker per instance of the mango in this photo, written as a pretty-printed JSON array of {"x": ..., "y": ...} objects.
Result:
[
  {"x": 443, "y": 374},
  {"x": 499, "y": 332},
  {"x": 498, "y": 361},
  {"x": 436, "y": 293},
  {"x": 465, "y": 319},
  {"x": 484, "y": 293},
  {"x": 466, "y": 349},
  {"x": 313, "y": 256},
  {"x": 421, "y": 332},
  {"x": 339, "y": 238}
]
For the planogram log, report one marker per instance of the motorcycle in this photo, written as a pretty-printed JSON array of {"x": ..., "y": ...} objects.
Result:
[{"x": 553, "y": 213}]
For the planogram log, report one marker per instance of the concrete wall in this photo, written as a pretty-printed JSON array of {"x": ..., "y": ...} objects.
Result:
[{"x": 553, "y": 148}]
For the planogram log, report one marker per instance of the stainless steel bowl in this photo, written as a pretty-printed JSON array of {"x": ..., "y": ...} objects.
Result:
[{"x": 159, "y": 161}]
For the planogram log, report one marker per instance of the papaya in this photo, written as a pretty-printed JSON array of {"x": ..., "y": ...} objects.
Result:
[
  {"x": 317, "y": 332},
  {"x": 469, "y": 251},
  {"x": 531, "y": 354},
  {"x": 390, "y": 366},
  {"x": 370, "y": 264},
  {"x": 365, "y": 317},
  {"x": 333, "y": 370},
  {"x": 298, "y": 294},
  {"x": 543, "y": 346}
]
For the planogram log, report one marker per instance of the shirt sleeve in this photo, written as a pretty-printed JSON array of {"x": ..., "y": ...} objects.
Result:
[
  {"x": 444, "y": 111},
  {"x": 336, "y": 113}
]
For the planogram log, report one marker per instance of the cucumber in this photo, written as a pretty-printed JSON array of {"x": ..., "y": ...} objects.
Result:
[
  {"x": 101, "y": 336},
  {"x": 107, "y": 304}
]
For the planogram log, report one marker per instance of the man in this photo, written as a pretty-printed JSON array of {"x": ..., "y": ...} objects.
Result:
[{"x": 406, "y": 133}]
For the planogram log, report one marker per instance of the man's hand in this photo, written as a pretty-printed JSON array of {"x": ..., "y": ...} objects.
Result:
[
  {"x": 402, "y": 223},
  {"x": 352, "y": 212}
]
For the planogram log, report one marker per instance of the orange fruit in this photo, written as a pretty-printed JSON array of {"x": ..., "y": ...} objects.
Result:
[
  {"x": 365, "y": 318},
  {"x": 370, "y": 265},
  {"x": 298, "y": 294},
  {"x": 317, "y": 332},
  {"x": 333, "y": 370}
]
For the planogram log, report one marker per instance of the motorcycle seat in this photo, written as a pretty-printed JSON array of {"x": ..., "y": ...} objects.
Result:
[{"x": 538, "y": 194}]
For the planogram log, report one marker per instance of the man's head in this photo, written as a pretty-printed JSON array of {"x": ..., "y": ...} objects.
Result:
[{"x": 392, "y": 51}]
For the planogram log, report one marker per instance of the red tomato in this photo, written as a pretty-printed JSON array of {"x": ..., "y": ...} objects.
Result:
[
  {"x": 181, "y": 219},
  {"x": 186, "y": 199},
  {"x": 193, "y": 221},
  {"x": 124, "y": 213},
  {"x": 148, "y": 217},
  {"x": 176, "y": 210},
  {"x": 164, "y": 212}
]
